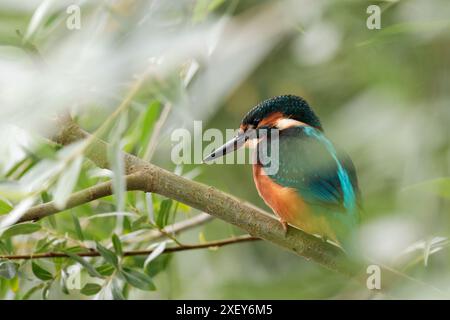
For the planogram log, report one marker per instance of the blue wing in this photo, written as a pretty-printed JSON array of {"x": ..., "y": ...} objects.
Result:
[{"x": 309, "y": 163}]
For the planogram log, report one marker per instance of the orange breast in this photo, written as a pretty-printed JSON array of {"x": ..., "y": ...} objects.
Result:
[
  {"x": 285, "y": 202},
  {"x": 289, "y": 206}
]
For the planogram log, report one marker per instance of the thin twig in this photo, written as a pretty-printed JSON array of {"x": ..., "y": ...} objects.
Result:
[
  {"x": 154, "y": 235},
  {"x": 151, "y": 147},
  {"x": 87, "y": 195},
  {"x": 182, "y": 225},
  {"x": 211, "y": 244},
  {"x": 150, "y": 178}
]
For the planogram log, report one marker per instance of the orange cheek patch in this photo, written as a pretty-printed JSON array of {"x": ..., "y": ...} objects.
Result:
[
  {"x": 252, "y": 143},
  {"x": 271, "y": 120}
]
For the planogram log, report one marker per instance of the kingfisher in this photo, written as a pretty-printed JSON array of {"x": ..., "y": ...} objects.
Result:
[{"x": 315, "y": 186}]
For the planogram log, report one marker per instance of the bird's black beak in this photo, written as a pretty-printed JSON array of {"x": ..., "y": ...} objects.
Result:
[{"x": 231, "y": 146}]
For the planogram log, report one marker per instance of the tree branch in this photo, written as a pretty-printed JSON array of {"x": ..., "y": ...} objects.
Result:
[
  {"x": 133, "y": 182},
  {"x": 153, "y": 235},
  {"x": 146, "y": 177},
  {"x": 150, "y": 178},
  {"x": 211, "y": 244}
]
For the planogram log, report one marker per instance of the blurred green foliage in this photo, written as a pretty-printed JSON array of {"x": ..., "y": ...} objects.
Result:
[{"x": 383, "y": 95}]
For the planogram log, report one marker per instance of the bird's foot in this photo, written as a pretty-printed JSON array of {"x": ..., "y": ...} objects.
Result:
[
  {"x": 284, "y": 225},
  {"x": 324, "y": 238}
]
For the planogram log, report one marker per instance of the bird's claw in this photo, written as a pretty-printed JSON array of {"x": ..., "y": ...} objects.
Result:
[{"x": 284, "y": 225}]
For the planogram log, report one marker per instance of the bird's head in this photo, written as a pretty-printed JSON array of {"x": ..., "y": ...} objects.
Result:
[{"x": 277, "y": 113}]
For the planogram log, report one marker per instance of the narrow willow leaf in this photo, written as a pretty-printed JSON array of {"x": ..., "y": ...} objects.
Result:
[
  {"x": 200, "y": 11},
  {"x": 427, "y": 251},
  {"x": 117, "y": 165},
  {"x": 156, "y": 252},
  {"x": 108, "y": 255},
  {"x": 40, "y": 272},
  {"x": 111, "y": 214},
  {"x": 90, "y": 289},
  {"x": 63, "y": 283},
  {"x": 45, "y": 197},
  {"x": 44, "y": 244},
  {"x": 203, "y": 7},
  {"x": 141, "y": 130},
  {"x": 158, "y": 265},
  {"x": 4, "y": 248},
  {"x": 13, "y": 190},
  {"x": 163, "y": 215},
  {"x": 8, "y": 269},
  {"x": 14, "y": 284},
  {"x": 105, "y": 269},
  {"x": 40, "y": 174},
  {"x": 136, "y": 224},
  {"x": 16, "y": 213},
  {"x": 30, "y": 292},
  {"x": 38, "y": 18},
  {"x": 138, "y": 279},
  {"x": 116, "y": 291},
  {"x": 77, "y": 226},
  {"x": 20, "y": 228},
  {"x": 46, "y": 291},
  {"x": 439, "y": 186},
  {"x": 67, "y": 182},
  {"x": 52, "y": 220},
  {"x": 117, "y": 245},
  {"x": 149, "y": 205},
  {"x": 89, "y": 268},
  {"x": 5, "y": 207},
  {"x": 148, "y": 121},
  {"x": 75, "y": 249}
]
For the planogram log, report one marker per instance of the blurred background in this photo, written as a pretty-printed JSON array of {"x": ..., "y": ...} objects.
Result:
[{"x": 382, "y": 95}]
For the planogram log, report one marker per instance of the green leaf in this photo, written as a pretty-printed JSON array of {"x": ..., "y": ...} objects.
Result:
[
  {"x": 116, "y": 292},
  {"x": 40, "y": 272},
  {"x": 52, "y": 220},
  {"x": 89, "y": 268},
  {"x": 67, "y": 182},
  {"x": 158, "y": 265},
  {"x": 115, "y": 157},
  {"x": 37, "y": 19},
  {"x": 439, "y": 186},
  {"x": 117, "y": 245},
  {"x": 45, "y": 197},
  {"x": 20, "y": 228},
  {"x": 158, "y": 250},
  {"x": 28, "y": 294},
  {"x": 43, "y": 244},
  {"x": 105, "y": 269},
  {"x": 138, "y": 279},
  {"x": 77, "y": 226},
  {"x": 4, "y": 248},
  {"x": 163, "y": 215},
  {"x": 108, "y": 255},
  {"x": 203, "y": 7},
  {"x": 4, "y": 207},
  {"x": 141, "y": 130},
  {"x": 8, "y": 269},
  {"x": 90, "y": 289},
  {"x": 46, "y": 290},
  {"x": 75, "y": 249},
  {"x": 139, "y": 223},
  {"x": 63, "y": 285}
]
